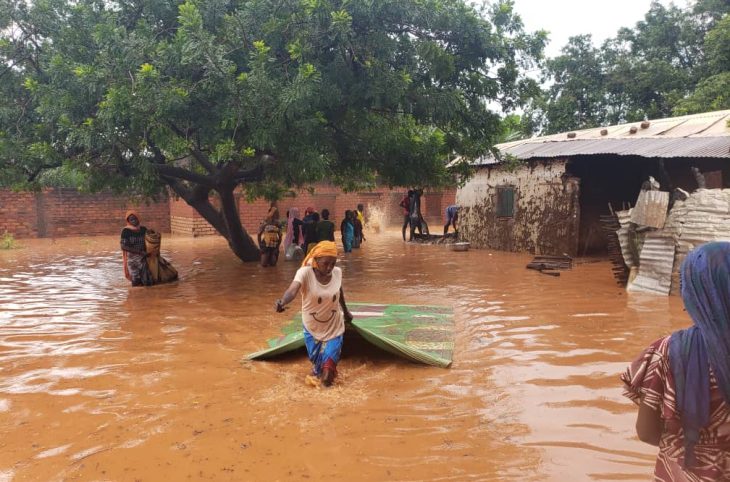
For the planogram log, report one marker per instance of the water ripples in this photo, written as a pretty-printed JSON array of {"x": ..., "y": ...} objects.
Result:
[{"x": 533, "y": 393}]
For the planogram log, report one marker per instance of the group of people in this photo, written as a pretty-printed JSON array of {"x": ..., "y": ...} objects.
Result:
[
  {"x": 324, "y": 311},
  {"x": 412, "y": 217},
  {"x": 681, "y": 382},
  {"x": 305, "y": 233}
]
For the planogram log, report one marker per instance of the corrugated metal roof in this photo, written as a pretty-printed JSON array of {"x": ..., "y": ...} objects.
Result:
[
  {"x": 646, "y": 147},
  {"x": 698, "y": 135}
]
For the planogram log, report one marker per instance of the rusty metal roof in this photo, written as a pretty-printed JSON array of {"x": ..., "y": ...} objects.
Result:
[{"x": 698, "y": 135}]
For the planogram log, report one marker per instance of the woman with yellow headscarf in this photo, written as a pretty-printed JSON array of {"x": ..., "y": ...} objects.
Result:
[{"x": 324, "y": 311}]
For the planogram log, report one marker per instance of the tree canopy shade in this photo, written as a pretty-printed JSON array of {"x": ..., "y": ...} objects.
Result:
[{"x": 204, "y": 96}]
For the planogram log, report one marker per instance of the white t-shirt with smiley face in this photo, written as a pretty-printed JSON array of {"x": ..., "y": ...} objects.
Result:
[{"x": 321, "y": 312}]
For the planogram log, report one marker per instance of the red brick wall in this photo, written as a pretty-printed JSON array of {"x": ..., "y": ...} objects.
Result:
[
  {"x": 18, "y": 214},
  {"x": 66, "y": 212},
  {"x": 434, "y": 205},
  {"x": 186, "y": 221}
]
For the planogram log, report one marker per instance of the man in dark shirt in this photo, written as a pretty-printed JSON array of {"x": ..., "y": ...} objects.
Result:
[
  {"x": 310, "y": 230},
  {"x": 325, "y": 228}
]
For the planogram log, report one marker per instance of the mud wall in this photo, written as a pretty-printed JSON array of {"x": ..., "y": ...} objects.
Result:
[{"x": 546, "y": 209}]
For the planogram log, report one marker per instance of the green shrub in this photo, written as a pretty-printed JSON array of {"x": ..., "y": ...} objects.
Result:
[{"x": 8, "y": 241}]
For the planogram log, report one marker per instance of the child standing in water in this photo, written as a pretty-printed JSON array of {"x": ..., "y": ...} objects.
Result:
[{"x": 324, "y": 311}]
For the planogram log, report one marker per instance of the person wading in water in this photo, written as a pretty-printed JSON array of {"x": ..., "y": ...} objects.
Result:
[
  {"x": 452, "y": 216},
  {"x": 324, "y": 311},
  {"x": 269, "y": 238},
  {"x": 405, "y": 203},
  {"x": 134, "y": 252}
]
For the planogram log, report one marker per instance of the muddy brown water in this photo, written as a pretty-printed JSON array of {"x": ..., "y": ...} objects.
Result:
[{"x": 101, "y": 381}]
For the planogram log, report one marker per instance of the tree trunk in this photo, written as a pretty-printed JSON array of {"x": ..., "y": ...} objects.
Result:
[
  {"x": 238, "y": 239},
  {"x": 225, "y": 221}
]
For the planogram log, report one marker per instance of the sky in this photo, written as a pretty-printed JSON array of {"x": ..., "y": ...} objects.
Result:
[{"x": 566, "y": 18}]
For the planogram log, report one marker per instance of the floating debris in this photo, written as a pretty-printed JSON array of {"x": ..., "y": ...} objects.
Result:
[{"x": 550, "y": 264}]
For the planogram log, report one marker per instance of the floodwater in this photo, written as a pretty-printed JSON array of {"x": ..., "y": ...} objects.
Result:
[{"x": 101, "y": 381}]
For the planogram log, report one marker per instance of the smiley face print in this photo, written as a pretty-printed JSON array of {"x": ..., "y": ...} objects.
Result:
[{"x": 329, "y": 316}]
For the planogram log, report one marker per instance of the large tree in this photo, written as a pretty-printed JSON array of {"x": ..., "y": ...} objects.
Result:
[
  {"x": 713, "y": 91},
  {"x": 202, "y": 97},
  {"x": 576, "y": 96},
  {"x": 674, "y": 61}
]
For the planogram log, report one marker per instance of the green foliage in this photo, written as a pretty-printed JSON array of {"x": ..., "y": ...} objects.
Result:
[
  {"x": 515, "y": 128},
  {"x": 672, "y": 62},
  {"x": 7, "y": 241},
  {"x": 136, "y": 95},
  {"x": 717, "y": 46},
  {"x": 713, "y": 93}
]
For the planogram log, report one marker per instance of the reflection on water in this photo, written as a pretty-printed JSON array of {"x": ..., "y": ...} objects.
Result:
[{"x": 99, "y": 380}]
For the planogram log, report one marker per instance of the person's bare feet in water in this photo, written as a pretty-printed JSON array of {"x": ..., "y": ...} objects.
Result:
[
  {"x": 312, "y": 381},
  {"x": 328, "y": 376}
]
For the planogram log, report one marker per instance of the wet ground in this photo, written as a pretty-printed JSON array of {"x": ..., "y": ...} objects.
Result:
[{"x": 100, "y": 381}]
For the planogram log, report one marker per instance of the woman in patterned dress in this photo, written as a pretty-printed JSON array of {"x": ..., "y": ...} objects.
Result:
[
  {"x": 681, "y": 382},
  {"x": 134, "y": 252}
]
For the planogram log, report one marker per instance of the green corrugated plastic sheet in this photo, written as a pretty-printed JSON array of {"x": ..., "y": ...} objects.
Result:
[{"x": 423, "y": 334}]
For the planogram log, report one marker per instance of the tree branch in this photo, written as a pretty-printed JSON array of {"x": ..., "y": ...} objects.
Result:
[
  {"x": 41, "y": 168},
  {"x": 197, "y": 153},
  {"x": 180, "y": 173},
  {"x": 250, "y": 175}
]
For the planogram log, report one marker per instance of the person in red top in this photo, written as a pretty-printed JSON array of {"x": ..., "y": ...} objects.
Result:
[{"x": 405, "y": 203}]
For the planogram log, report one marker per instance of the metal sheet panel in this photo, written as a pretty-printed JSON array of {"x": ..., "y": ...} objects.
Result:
[
  {"x": 420, "y": 333},
  {"x": 656, "y": 265},
  {"x": 651, "y": 209},
  {"x": 704, "y": 216},
  {"x": 624, "y": 218}
]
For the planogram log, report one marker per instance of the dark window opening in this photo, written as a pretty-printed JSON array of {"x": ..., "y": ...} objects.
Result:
[{"x": 505, "y": 202}]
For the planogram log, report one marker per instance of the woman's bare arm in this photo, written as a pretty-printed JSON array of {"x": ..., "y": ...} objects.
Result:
[
  {"x": 649, "y": 425},
  {"x": 345, "y": 311},
  {"x": 289, "y": 295}
]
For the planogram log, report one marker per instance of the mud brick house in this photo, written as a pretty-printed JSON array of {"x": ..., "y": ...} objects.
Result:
[{"x": 547, "y": 194}]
